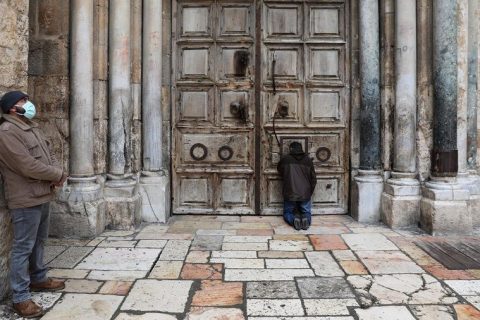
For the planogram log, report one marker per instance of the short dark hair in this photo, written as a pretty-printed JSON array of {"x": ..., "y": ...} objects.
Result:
[{"x": 296, "y": 146}]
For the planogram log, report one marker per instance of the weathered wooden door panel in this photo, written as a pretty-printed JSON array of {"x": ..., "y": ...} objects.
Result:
[
  {"x": 302, "y": 45},
  {"x": 304, "y": 68},
  {"x": 213, "y": 116}
]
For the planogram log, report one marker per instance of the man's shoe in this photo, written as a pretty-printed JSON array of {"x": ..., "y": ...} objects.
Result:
[
  {"x": 48, "y": 285},
  {"x": 28, "y": 309},
  {"x": 305, "y": 224},
  {"x": 297, "y": 223}
]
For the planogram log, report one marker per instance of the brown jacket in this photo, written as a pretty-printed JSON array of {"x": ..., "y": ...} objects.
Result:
[{"x": 26, "y": 164}]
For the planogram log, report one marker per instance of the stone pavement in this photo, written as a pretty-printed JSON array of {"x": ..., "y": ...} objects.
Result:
[{"x": 255, "y": 268}]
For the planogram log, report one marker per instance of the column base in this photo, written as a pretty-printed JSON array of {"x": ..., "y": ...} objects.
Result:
[
  {"x": 472, "y": 183},
  {"x": 155, "y": 192},
  {"x": 401, "y": 203},
  {"x": 123, "y": 202},
  {"x": 79, "y": 211},
  {"x": 366, "y": 196},
  {"x": 444, "y": 208}
]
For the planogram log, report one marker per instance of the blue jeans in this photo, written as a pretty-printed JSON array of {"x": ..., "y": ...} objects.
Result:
[
  {"x": 305, "y": 208},
  {"x": 30, "y": 231}
]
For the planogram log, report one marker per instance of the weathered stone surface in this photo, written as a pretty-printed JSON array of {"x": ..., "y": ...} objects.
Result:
[
  {"x": 198, "y": 257},
  {"x": 265, "y": 274},
  {"x": 218, "y": 293},
  {"x": 175, "y": 250},
  {"x": 84, "y": 306},
  {"x": 244, "y": 246},
  {"x": 384, "y": 313},
  {"x": 272, "y": 290},
  {"x": 70, "y": 257},
  {"x": 465, "y": 287},
  {"x": 51, "y": 252},
  {"x": 119, "y": 288},
  {"x": 323, "y": 264},
  {"x": 81, "y": 286},
  {"x": 145, "y": 316},
  {"x": 328, "y": 242},
  {"x": 289, "y": 245},
  {"x": 324, "y": 288},
  {"x": 402, "y": 289},
  {"x": 466, "y": 312},
  {"x": 388, "y": 262},
  {"x": 116, "y": 275},
  {"x": 207, "y": 243},
  {"x": 434, "y": 312},
  {"x": 151, "y": 244},
  {"x": 202, "y": 271},
  {"x": 114, "y": 259},
  {"x": 372, "y": 241},
  {"x": 163, "y": 296},
  {"x": 246, "y": 238},
  {"x": 117, "y": 244},
  {"x": 122, "y": 212},
  {"x": 214, "y": 314},
  {"x": 277, "y": 307},
  {"x": 286, "y": 264},
  {"x": 67, "y": 273},
  {"x": 324, "y": 307},
  {"x": 166, "y": 270},
  {"x": 240, "y": 263},
  {"x": 353, "y": 267},
  {"x": 342, "y": 255},
  {"x": 281, "y": 254}
]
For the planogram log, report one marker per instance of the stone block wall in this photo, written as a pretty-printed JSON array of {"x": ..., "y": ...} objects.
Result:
[{"x": 13, "y": 76}]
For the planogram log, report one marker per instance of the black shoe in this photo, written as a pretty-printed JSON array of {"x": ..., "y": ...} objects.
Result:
[
  {"x": 305, "y": 224},
  {"x": 297, "y": 223}
]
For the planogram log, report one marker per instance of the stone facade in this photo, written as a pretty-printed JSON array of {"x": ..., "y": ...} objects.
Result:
[
  {"x": 130, "y": 158},
  {"x": 14, "y": 37}
]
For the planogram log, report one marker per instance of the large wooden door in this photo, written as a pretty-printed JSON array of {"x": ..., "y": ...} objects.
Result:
[{"x": 224, "y": 151}]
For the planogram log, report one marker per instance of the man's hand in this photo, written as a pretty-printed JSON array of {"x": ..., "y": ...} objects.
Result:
[{"x": 62, "y": 180}]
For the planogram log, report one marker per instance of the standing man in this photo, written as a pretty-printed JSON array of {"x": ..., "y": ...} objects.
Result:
[
  {"x": 299, "y": 181},
  {"x": 30, "y": 174}
]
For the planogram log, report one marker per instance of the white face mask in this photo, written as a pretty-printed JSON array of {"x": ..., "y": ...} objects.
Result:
[{"x": 29, "y": 110}]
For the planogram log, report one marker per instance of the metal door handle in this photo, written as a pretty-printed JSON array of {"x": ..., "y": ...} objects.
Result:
[{"x": 273, "y": 75}]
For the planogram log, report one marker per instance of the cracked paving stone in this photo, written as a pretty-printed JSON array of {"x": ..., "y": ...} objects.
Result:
[
  {"x": 158, "y": 295},
  {"x": 274, "y": 307},
  {"x": 434, "y": 312},
  {"x": 403, "y": 289},
  {"x": 84, "y": 306},
  {"x": 475, "y": 300},
  {"x": 272, "y": 290},
  {"x": 324, "y": 264},
  {"x": 207, "y": 243},
  {"x": 202, "y": 271},
  {"x": 51, "y": 252},
  {"x": 385, "y": 313},
  {"x": 324, "y": 288}
]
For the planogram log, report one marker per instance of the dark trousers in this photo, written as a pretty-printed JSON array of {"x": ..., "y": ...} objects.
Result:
[{"x": 305, "y": 208}]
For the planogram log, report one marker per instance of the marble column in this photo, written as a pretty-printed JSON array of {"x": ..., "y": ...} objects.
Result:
[
  {"x": 80, "y": 211},
  {"x": 368, "y": 184},
  {"x": 154, "y": 181},
  {"x": 401, "y": 197},
  {"x": 444, "y": 206},
  {"x": 121, "y": 188}
]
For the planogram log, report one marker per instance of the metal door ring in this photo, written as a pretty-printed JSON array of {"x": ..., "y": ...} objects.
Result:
[
  {"x": 323, "y": 154},
  {"x": 222, "y": 153},
  {"x": 198, "y": 146}
]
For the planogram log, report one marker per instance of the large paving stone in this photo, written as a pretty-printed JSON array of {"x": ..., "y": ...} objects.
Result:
[
  {"x": 433, "y": 312},
  {"x": 51, "y": 252},
  {"x": 117, "y": 275},
  {"x": 286, "y": 264},
  {"x": 324, "y": 264},
  {"x": 145, "y": 316},
  {"x": 166, "y": 270},
  {"x": 234, "y": 254},
  {"x": 245, "y": 246},
  {"x": 158, "y": 295},
  {"x": 175, "y": 250},
  {"x": 274, "y": 307},
  {"x": 324, "y": 288},
  {"x": 266, "y": 274},
  {"x": 218, "y": 293},
  {"x": 120, "y": 259},
  {"x": 84, "y": 306},
  {"x": 388, "y": 262},
  {"x": 67, "y": 273},
  {"x": 368, "y": 241},
  {"x": 207, "y": 243},
  {"x": 290, "y": 245},
  {"x": 402, "y": 289},
  {"x": 238, "y": 263},
  {"x": 198, "y": 257},
  {"x": 81, "y": 286},
  {"x": 312, "y": 230},
  {"x": 272, "y": 290},
  {"x": 475, "y": 300},
  {"x": 151, "y": 244},
  {"x": 329, "y": 307},
  {"x": 384, "y": 313},
  {"x": 247, "y": 239},
  {"x": 70, "y": 257},
  {"x": 465, "y": 287},
  {"x": 199, "y": 313},
  {"x": 117, "y": 244}
]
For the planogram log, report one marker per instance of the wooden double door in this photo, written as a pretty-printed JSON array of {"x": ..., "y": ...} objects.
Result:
[{"x": 244, "y": 74}]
